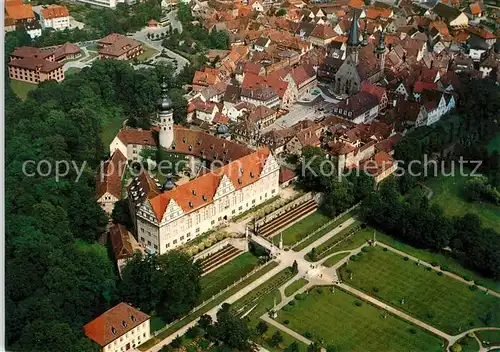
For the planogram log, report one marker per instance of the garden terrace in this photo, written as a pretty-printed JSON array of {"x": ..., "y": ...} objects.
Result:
[
  {"x": 439, "y": 300},
  {"x": 287, "y": 219},
  {"x": 350, "y": 324},
  {"x": 219, "y": 258}
]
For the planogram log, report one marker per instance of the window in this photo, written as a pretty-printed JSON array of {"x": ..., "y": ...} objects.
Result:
[
  {"x": 182, "y": 238},
  {"x": 156, "y": 247},
  {"x": 213, "y": 222},
  {"x": 167, "y": 245},
  {"x": 149, "y": 243},
  {"x": 175, "y": 242},
  {"x": 142, "y": 239},
  {"x": 198, "y": 229},
  {"x": 234, "y": 211}
]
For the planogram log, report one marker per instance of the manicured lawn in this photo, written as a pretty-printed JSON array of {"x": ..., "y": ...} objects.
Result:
[
  {"x": 334, "y": 259},
  {"x": 220, "y": 278},
  {"x": 441, "y": 301},
  {"x": 448, "y": 193},
  {"x": 148, "y": 52},
  {"x": 260, "y": 293},
  {"x": 492, "y": 336},
  {"x": 327, "y": 229},
  {"x": 469, "y": 344},
  {"x": 334, "y": 318},
  {"x": 303, "y": 228},
  {"x": 444, "y": 261},
  {"x": 295, "y": 286},
  {"x": 333, "y": 243},
  {"x": 21, "y": 89},
  {"x": 151, "y": 342},
  {"x": 287, "y": 340},
  {"x": 92, "y": 55}
]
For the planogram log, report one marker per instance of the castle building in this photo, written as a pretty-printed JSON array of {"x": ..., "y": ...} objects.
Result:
[{"x": 238, "y": 179}]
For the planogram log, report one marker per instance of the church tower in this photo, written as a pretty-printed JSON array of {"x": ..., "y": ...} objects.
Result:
[
  {"x": 166, "y": 118},
  {"x": 380, "y": 52},
  {"x": 353, "y": 41}
]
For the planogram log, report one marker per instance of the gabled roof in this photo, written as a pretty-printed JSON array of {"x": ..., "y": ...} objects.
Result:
[
  {"x": 261, "y": 112},
  {"x": 54, "y": 11},
  {"x": 322, "y": 31},
  {"x": 373, "y": 89},
  {"x": 448, "y": 13},
  {"x": 19, "y": 12},
  {"x": 136, "y": 136},
  {"x": 201, "y": 191},
  {"x": 120, "y": 242},
  {"x": 114, "y": 323},
  {"x": 110, "y": 180}
]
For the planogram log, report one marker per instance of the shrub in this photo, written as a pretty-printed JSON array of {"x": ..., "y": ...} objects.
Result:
[
  {"x": 286, "y": 308},
  {"x": 348, "y": 270},
  {"x": 412, "y": 331},
  {"x": 194, "y": 250},
  {"x": 319, "y": 291},
  {"x": 193, "y": 332},
  {"x": 478, "y": 283},
  {"x": 208, "y": 243},
  {"x": 201, "y": 247},
  {"x": 308, "y": 335},
  {"x": 466, "y": 278},
  {"x": 430, "y": 315},
  {"x": 445, "y": 268},
  {"x": 353, "y": 258},
  {"x": 192, "y": 349},
  {"x": 300, "y": 297},
  {"x": 385, "y": 249},
  {"x": 204, "y": 343},
  {"x": 360, "y": 254},
  {"x": 219, "y": 236},
  {"x": 375, "y": 289},
  {"x": 428, "y": 268},
  {"x": 473, "y": 287},
  {"x": 434, "y": 264},
  {"x": 406, "y": 259},
  {"x": 365, "y": 249},
  {"x": 440, "y": 273},
  {"x": 286, "y": 322},
  {"x": 358, "y": 303},
  {"x": 177, "y": 342},
  {"x": 291, "y": 303}
]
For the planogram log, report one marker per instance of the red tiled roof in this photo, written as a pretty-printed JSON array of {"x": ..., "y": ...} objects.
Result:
[
  {"x": 29, "y": 63},
  {"x": 110, "y": 181},
  {"x": 120, "y": 242},
  {"x": 54, "y": 11},
  {"x": 323, "y": 32},
  {"x": 136, "y": 136},
  {"x": 101, "y": 328},
  {"x": 261, "y": 112},
  {"x": 221, "y": 119},
  {"x": 19, "y": 12},
  {"x": 373, "y": 89},
  {"x": 116, "y": 44},
  {"x": 201, "y": 191},
  {"x": 286, "y": 174},
  {"x": 475, "y": 8},
  {"x": 481, "y": 32},
  {"x": 421, "y": 86}
]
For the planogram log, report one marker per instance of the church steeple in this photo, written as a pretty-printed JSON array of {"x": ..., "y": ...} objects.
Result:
[
  {"x": 364, "y": 42},
  {"x": 380, "y": 51},
  {"x": 353, "y": 40},
  {"x": 166, "y": 118}
]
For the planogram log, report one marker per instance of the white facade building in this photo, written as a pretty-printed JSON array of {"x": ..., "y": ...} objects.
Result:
[
  {"x": 103, "y": 3},
  {"x": 53, "y": 16},
  {"x": 121, "y": 328}
]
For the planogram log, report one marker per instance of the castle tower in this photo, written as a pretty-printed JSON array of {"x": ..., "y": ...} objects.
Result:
[
  {"x": 166, "y": 118},
  {"x": 353, "y": 40},
  {"x": 380, "y": 51},
  {"x": 364, "y": 42}
]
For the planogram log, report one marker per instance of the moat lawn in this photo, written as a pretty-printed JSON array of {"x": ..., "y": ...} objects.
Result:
[
  {"x": 441, "y": 301},
  {"x": 448, "y": 193},
  {"x": 336, "y": 319}
]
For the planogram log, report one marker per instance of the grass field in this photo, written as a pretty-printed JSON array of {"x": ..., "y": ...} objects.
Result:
[
  {"x": 335, "y": 319},
  {"x": 21, "y": 89},
  {"x": 72, "y": 70},
  {"x": 334, "y": 259},
  {"x": 151, "y": 342},
  {"x": 327, "y": 229},
  {"x": 492, "y": 336},
  {"x": 109, "y": 129},
  {"x": 448, "y": 193},
  {"x": 469, "y": 344},
  {"x": 336, "y": 241},
  {"x": 441, "y": 301},
  {"x": 295, "y": 286},
  {"x": 304, "y": 227},
  {"x": 224, "y": 276},
  {"x": 148, "y": 52}
]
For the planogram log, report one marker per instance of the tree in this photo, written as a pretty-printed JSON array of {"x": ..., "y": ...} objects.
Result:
[
  {"x": 177, "y": 342},
  {"x": 456, "y": 348},
  {"x": 314, "y": 347},
  {"x": 230, "y": 330},
  {"x": 313, "y": 255},
  {"x": 276, "y": 339},
  {"x": 262, "y": 327},
  {"x": 293, "y": 347},
  {"x": 121, "y": 214},
  {"x": 295, "y": 267},
  {"x": 281, "y": 12},
  {"x": 331, "y": 348},
  {"x": 205, "y": 321}
]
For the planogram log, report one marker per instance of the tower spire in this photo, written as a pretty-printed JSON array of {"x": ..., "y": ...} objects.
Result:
[
  {"x": 364, "y": 42},
  {"x": 353, "y": 40},
  {"x": 165, "y": 117}
]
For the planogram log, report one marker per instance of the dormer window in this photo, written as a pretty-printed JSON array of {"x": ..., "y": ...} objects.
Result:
[
  {"x": 241, "y": 170},
  {"x": 124, "y": 323},
  {"x": 204, "y": 198},
  {"x": 190, "y": 148},
  {"x": 183, "y": 139},
  {"x": 251, "y": 175},
  {"x": 193, "y": 192},
  {"x": 132, "y": 317},
  {"x": 190, "y": 204},
  {"x": 113, "y": 330},
  {"x": 212, "y": 147},
  {"x": 173, "y": 145},
  {"x": 239, "y": 181},
  {"x": 199, "y": 141}
]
